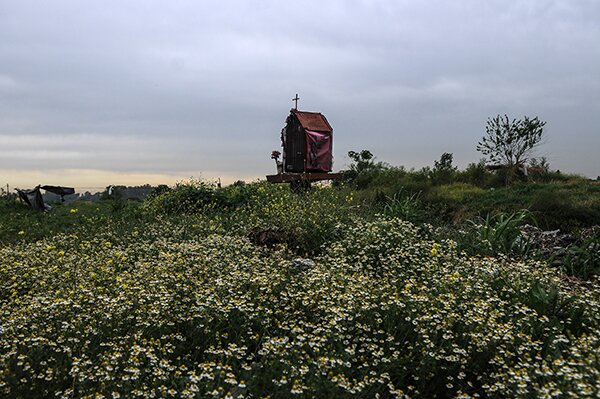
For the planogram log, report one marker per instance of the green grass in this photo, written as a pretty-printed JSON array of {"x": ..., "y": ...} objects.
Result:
[
  {"x": 18, "y": 223},
  {"x": 555, "y": 205}
]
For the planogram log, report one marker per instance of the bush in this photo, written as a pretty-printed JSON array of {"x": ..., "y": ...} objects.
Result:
[
  {"x": 476, "y": 174},
  {"x": 188, "y": 197},
  {"x": 443, "y": 171},
  {"x": 307, "y": 221}
]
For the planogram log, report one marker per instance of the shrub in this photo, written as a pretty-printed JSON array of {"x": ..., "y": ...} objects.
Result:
[
  {"x": 476, "y": 174},
  {"x": 189, "y": 196},
  {"x": 306, "y": 221},
  {"x": 363, "y": 169},
  {"x": 158, "y": 190},
  {"x": 443, "y": 171}
]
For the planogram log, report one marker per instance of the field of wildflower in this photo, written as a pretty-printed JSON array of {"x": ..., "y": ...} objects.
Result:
[{"x": 174, "y": 298}]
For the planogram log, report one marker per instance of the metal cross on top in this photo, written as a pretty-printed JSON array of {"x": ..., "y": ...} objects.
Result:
[{"x": 296, "y": 100}]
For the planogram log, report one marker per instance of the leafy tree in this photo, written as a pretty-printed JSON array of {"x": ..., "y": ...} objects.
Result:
[
  {"x": 361, "y": 160},
  {"x": 363, "y": 169},
  {"x": 443, "y": 170},
  {"x": 445, "y": 162},
  {"x": 511, "y": 143},
  {"x": 476, "y": 174}
]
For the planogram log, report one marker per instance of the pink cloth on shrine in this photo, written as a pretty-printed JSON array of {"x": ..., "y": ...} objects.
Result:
[{"x": 318, "y": 151}]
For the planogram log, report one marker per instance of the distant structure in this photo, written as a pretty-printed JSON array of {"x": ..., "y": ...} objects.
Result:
[
  {"x": 307, "y": 141},
  {"x": 34, "y": 198}
]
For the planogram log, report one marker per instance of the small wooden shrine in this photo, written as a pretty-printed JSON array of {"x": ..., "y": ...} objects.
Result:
[{"x": 307, "y": 141}]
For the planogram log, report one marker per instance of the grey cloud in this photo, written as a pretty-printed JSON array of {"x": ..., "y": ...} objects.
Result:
[{"x": 207, "y": 85}]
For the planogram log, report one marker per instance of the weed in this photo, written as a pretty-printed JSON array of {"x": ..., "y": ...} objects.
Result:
[
  {"x": 583, "y": 260},
  {"x": 501, "y": 233},
  {"x": 405, "y": 206}
]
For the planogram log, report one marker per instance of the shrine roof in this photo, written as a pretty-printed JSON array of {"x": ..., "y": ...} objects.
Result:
[{"x": 315, "y": 121}]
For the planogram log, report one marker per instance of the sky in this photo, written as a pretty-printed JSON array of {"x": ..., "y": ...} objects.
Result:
[{"x": 94, "y": 93}]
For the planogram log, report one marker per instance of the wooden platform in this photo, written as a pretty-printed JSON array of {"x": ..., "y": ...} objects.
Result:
[{"x": 309, "y": 177}]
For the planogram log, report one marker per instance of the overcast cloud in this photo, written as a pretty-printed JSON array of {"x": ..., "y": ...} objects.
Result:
[{"x": 168, "y": 90}]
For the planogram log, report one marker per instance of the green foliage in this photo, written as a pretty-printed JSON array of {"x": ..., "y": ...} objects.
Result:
[
  {"x": 158, "y": 190},
  {"x": 306, "y": 222},
  {"x": 478, "y": 175},
  {"x": 552, "y": 177},
  {"x": 583, "y": 260},
  {"x": 363, "y": 169},
  {"x": 500, "y": 234},
  {"x": 8, "y": 203},
  {"x": 511, "y": 142},
  {"x": 445, "y": 162},
  {"x": 303, "y": 222},
  {"x": 406, "y": 206},
  {"x": 562, "y": 312},
  {"x": 361, "y": 160},
  {"x": 188, "y": 196},
  {"x": 18, "y": 223},
  {"x": 561, "y": 201},
  {"x": 443, "y": 171},
  {"x": 565, "y": 207},
  {"x": 457, "y": 193}
]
